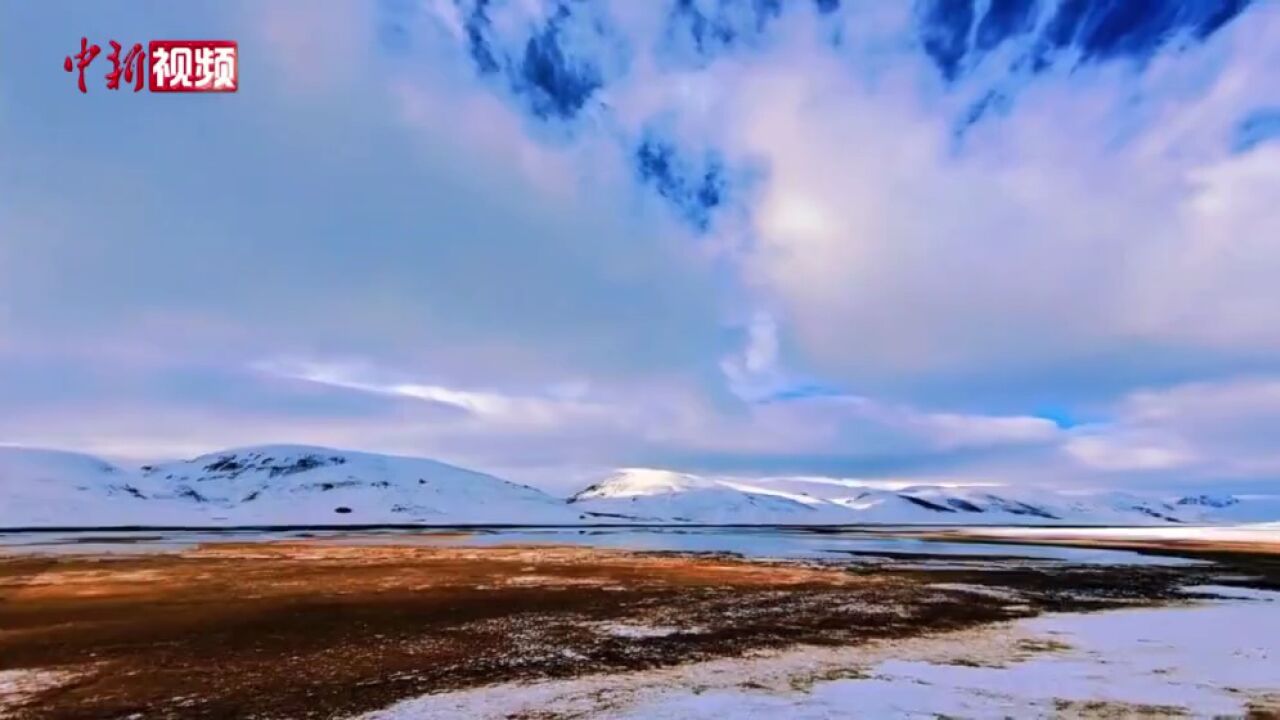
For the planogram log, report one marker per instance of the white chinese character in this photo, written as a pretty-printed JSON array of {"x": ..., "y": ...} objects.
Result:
[
  {"x": 204, "y": 67},
  {"x": 172, "y": 67},
  {"x": 224, "y": 68},
  {"x": 160, "y": 69}
]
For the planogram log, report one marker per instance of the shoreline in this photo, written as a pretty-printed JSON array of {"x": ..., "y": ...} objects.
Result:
[{"x": 1173, "y": 541}]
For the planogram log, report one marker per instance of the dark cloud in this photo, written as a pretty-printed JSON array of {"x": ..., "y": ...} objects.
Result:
[
  {"x": 944, "y": 31},
  {"x": 1004, "y": 18},
  {"x": 556, "y": 82},
  {"x": 695, "y": 188},
  {"x": 827, "y": 6},
  {"x": 1084, "y": 30},
  {"x": 698, "y": 32},
  {"x": 549, "y": 71},
  {"x": 478, "y": 29}
]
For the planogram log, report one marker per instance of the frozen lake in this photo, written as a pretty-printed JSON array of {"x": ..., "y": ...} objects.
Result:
[{"x": 862, "y": 545}]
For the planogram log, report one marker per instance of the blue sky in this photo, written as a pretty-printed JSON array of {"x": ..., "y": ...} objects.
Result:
[{"x": 1019, "y": 241}]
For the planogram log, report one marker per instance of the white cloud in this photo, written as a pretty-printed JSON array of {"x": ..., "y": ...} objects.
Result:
[
  {"x": 493, "y": 411},
  {"x": 1208, "y": 430},
  {"x": 1128, "y": 452},
  {"x": 665, "y": 423},
  {"x": 517, "y": 299},
  {"x": 1102, "y": 216}
]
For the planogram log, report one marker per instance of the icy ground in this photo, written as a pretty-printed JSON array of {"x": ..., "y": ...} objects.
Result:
[
  {"x": 1209, "y": 659},
  {"x": 18, "y": 685},
  {"x": 1250, "y": 532},
  {"x": 854, "y": 547}
]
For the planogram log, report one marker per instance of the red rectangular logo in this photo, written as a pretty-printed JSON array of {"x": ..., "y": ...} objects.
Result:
[{"x": 194, "y": 65}]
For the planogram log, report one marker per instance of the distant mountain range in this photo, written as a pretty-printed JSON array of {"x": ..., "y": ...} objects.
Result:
[
  {"x": 300, "y": 485},
  {"x": 643, "y": 495}
]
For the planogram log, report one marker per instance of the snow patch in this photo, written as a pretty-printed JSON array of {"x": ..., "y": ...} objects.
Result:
[
  {"x": 1126, "y": 662},
  {"x": 19, "y": 686},
  {"x": 636, "y": 631}
]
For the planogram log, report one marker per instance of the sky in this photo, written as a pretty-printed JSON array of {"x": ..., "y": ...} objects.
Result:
[{"x": 1031, "y": 242}]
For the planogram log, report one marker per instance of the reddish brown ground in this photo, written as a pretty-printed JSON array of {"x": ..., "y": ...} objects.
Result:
[{"x": 308, "y": 630}]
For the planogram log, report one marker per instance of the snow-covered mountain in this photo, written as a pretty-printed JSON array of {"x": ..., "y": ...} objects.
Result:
[
  {"x": 643, "y": 495},
  {"x": 1229, "y": 508},
  {"x": 269, "y": 485},
  {"x": 42, "y": 488},
  {"x": 299, "y": 485}
]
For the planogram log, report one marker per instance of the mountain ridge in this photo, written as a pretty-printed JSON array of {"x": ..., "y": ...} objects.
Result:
[{"x": 312, "y": 485}]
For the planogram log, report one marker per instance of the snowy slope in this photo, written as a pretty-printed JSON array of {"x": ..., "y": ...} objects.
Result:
[
  {"x": 43, "y": 488},
  {"x": 662, "y": 496},
  {"x": 645, "y": 495},
  {"x": 300, "y": 485},
  {"x": 1229, "y": 508},
  {"x": 270, "y": 485},
  {"x": 931, "y": 504},
  {"x": 1038, "y": 505}
]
